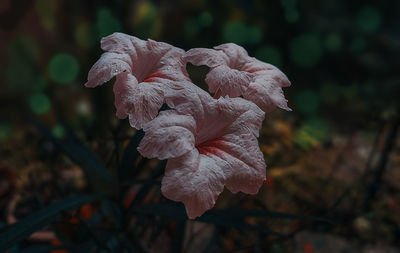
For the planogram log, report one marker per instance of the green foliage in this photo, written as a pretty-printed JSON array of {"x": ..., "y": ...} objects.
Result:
[
  {"x": 95, "y": 171},
  {"x": 40, "y": 219},
  {"x": 312, "y": 132}
]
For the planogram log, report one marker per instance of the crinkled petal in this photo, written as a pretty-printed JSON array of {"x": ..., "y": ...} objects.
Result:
[
  {"x": 265, "y": 70},
  {"x": 140, "y": 102},
  {"x": 205, "y": 56},
  {"x": 167, "y": 136},
  {"x": 241, "y": 160},
  {"x": 267, "y": 94},
  {"x": 223, "y": 150},
  {"x": 187, "y": 98},
  {"x": 230, "y": 82},
  {"x": 123, "y": 43},
  {"x": 149, "y": 65},
  {"x": 247, "y": 115},
  {"x": 236, "y": 54},
  {"x": 194, "y": 179},
  {"x": 124, "y": 88},
  {"x": 238, "y": 146},
  {"x": 148, "y": 57},
  {"x": 108, "y": 66}
]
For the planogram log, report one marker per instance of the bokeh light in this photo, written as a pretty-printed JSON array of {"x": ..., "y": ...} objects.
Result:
[
  {"x": 239, "y": 33},
  {"x": 291, "y": 13},
  {"x": 39, "y": 103},
  {"x": 147, "y": 22},
  {"x": 63, "y": 68},
  {"x": 46, "y": 10},
  {"x": 305, "y": 50},
  {"x": 58, "y": 131},
  {"x": 368, "y": 19},
  {"x": 205, "y": 19},
  {"x": 107, "y": 23},
  {"x": 85, "y": 35}
]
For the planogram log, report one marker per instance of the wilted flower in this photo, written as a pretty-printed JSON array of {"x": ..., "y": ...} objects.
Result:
[
  {"x": 209, "y": 143},
  {"x": 142, "y": 69},
  {"x": 234, "y": 73}
]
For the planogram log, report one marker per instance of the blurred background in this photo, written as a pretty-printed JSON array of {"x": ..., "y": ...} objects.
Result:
[{"x": 335, "y": 156}]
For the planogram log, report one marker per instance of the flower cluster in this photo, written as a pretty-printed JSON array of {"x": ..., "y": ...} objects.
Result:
[{"x": 210, "y": 142}]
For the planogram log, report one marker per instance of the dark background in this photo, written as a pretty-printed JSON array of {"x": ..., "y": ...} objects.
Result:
[{"x": 336, "y": 155}]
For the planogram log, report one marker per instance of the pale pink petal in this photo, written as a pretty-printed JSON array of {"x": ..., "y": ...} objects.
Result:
[
  {"x": 140, "y": 102},
  {"x": 232, "y": 76},
  {"x": 123, "y": 43},
  {"x": 226, "y": 132},
  {"x": 142, "y": 68},
  {"x": 187, "y": 98},
  {"x": 241, "y": 160},
  {"x": 195, "y": 180},
  {"x": 124, "y": 88},
  {"x": 266, "y": 70},
  {"x": 267, "y": 94},
  {"x": 205, "y": 56},
  {"x": 228, "y": 81},
  {"x": 169, "y": 135},
  {"x": 238, "y": 146},
  {"x": 108, "y": 66},
  {"x": 236, "y": 54}
]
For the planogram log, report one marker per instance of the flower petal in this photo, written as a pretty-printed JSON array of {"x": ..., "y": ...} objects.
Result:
[
  {"x": 169, "y": 135},
  {"x": 195, "y": 180},
  {"x": 187, "y": 98},
  {"x": 235, "y": 54},
  {"x": 123, "y": 43},
  {"x": 205, "y": 56},
  {"x": 238, "y": 146},
  {"x": 108, "y": 66},
  {"x": 267, "y": 94},
  {"x": 140, "y": 102},
  {"x": 230, "y": 82},
  {"x": 124, "y": 88},
  {"x": 241, "y": 160},
  {"x": 266, "y": 70}
]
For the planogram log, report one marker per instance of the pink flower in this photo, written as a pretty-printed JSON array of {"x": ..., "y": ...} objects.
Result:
[
  {"x": 142, "y": 69},
  {"x": 234, "y": 73},
  {"x": 209, "y": 143}
]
